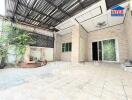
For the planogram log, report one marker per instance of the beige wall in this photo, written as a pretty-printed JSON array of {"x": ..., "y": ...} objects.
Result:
[
  {"x": 75, "y": 36},
  {"x": 122, "y": 33},
  {"x": 79, "y": 44},
  {"x": 66, "y": 56},
  {"x": 128, "y": 31},
  {"x": 115, "y": 32},
  {"x": 75, "y": 43},
  {"x": 83, "y": 45},
  {"x": 57, "y": 47},
  {"x": 58, "y": 54}
]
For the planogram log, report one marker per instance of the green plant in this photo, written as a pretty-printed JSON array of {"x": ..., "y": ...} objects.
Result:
[
  {"x": 13, "y": 36},
  {"x": 20, "y": 39},
  {"x": 3, "y": 50}
]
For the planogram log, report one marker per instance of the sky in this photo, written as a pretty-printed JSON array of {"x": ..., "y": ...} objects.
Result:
[{"x": 2, "y": 7}]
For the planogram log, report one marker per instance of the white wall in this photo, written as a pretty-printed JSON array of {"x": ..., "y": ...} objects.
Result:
[
  {"x": 39, "y": 53},
  {"x": 48, "y": 54}
]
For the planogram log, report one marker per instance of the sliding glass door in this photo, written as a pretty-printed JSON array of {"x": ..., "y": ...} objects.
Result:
[
  {"x": 109, "y": 50},
  {"x": 104, "y": 50}
]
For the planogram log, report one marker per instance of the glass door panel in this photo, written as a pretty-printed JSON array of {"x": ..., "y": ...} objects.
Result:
[
  {"x": 109, "y": 50},
  {"x": 100, "y": 51}
]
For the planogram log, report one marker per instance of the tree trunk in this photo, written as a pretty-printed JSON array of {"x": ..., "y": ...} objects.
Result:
[{"x": 2, "y": 64}]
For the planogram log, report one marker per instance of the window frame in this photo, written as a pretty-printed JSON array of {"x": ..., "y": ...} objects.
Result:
[{"x": 66, "y": 47}]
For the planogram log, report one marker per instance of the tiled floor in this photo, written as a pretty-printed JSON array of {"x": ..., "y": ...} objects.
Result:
[{"x": 67, "y": 81}]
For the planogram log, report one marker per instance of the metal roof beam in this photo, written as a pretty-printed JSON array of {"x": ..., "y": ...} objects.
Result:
[
  {"x": 80, "y": 3},
  {"x": 32, "y": 19},
  {"x": 41, "y": 13},
  {"x": 15, "y": 8},
  {"x": 30, "y": 9},
  {"x": 51, "y": 3}
]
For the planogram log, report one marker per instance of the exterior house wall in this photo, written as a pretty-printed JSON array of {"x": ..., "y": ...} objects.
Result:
[
  {"x": 79, "y": 44},
  {"x": 82, "y": 40},
  {"x": 57, "y": 47},
  {"x": 115, "y": 32},
  {"x": 77, "y": 54},
  {"x": 128, "y": 31},
  {"x": 83, "y": 54},
  {"x": 66, "y": 56},
  {"x": 75, "y": 43}
]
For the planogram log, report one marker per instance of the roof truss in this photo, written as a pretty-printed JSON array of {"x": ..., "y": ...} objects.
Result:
[{"x": 44, "y": 13}]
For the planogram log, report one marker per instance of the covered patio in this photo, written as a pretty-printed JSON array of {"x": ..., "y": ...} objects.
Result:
[
  {"x": 65, "y": 50},
  {"x": 67, "y": 81}
]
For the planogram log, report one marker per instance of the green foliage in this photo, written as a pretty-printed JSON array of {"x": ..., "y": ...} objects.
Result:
[
  {"x": 3, "y": 45},
  {"x": 20, "y": 39},
  {"x": 6, "y": 26},
  {"x": 14, "y": 36},
  {"x": 4, "y": 42},
  {"x": 3, "y": 52}
]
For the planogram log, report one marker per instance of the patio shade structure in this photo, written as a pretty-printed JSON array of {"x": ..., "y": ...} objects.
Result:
[{"x": 45, "y": 14}]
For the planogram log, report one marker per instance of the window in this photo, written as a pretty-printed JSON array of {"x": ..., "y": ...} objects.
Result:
[
  {"x": 66, "y": 47},
  {"x": 70, "y": 46},
  {"x": 63, "y": 47}
]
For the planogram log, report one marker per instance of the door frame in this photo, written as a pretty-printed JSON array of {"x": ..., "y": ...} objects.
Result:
[{"x": 116, "y": 48}]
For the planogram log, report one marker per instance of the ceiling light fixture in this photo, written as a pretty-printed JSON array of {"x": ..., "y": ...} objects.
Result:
[{"x": 101, "y": 24}]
